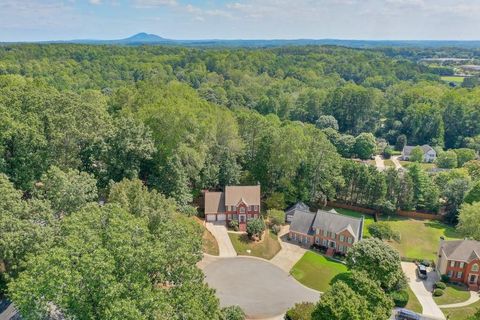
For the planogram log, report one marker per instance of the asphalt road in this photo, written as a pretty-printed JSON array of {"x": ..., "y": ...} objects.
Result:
[{"x": 260, "y": 288}]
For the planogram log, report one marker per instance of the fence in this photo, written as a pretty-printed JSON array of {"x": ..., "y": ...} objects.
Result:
[{"x": 409, "y": 214}]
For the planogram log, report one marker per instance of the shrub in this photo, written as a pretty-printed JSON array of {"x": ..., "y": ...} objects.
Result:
[
  {"x": 445, "y": 278},
  {"x": 233, "y": 224},
  {"x": 232, "y": 313},
  {"x": 276, "y": 217},
  {"x": 255, "y": 227},
  {"x": 276, "y": 201},
  {"x": 438, "y": 292},
  {"x": 276, "y": 229},
  {"x": 383, "y": 231},
  {"x": 440, "y": 285},
  {"x": 300, "y": 311},
  {"x": 400, "y": 298},
  {"x": 388, "y": 152}
]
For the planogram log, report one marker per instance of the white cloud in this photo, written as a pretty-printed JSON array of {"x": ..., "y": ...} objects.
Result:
[
  {"x": 154, "y": 3},
  {"x": 95, "y": 2}
]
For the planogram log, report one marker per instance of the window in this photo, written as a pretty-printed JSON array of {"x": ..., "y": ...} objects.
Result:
[
  {"x": 235, "y": 217},
  {"x": 249, "y": 217},
  {"x": 234, "y": 208},
  {"x": 325, "y": 242},
  {"x": 242, "y": 209},
  {"x": 452, "y": 263},
  {"x": 340, "y": 248},
  {"x": 450, "y": 273},
  {"x": 317, "y": 231},
  {"x": 294, "y": 236},
  {"x": 229, "y": 216},
  {"x": 255, "y": 208},
  {"x": 350, "y": 240},
  {"x": 317, "y": 240},
  {"x": 342, "y": 238},
  {"x": 305, "y": 240},
  {"x": 462, "y": 264},
  {"x": 325, "y": 233},
  {"x": 459, "y": 274},
  {"x": 475, "y": 267},
  {"x": 334, "y": 235}
]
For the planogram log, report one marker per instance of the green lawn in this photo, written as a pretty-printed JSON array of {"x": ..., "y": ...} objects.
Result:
[
  {"x": 456, "y": 79},
  {"x": 316, "y": 271},
  {"x": 419, "y": 238},
  {"x": 389, "y": 163},
  {"x": 462, "y": 313},
  {"x": 267, "y": 248},
  {"x": 423, "y": 165},
  {"x": 453, "y": 294},
  {"x": 413, "y": 303}
]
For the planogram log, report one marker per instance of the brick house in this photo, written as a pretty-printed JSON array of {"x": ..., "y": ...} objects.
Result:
[
  {"x": 329, "y": 229},
  {"x": 460, "y": 260},
  {"x": 240, "y": 203}
]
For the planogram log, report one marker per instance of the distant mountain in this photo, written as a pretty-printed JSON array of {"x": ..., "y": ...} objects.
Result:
[
  {"x": 142, "y": 38},
  {"x": 152, "y": 39}
]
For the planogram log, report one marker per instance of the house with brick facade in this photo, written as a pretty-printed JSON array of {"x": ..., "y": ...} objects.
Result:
[
  {"x": 460, "y": 260},
  {"x": 328, "y": 229},
  {"x": 240, "y": 203}
]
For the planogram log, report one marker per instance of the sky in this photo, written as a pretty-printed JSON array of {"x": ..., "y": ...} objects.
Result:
[{"x": 34, "y": 20}]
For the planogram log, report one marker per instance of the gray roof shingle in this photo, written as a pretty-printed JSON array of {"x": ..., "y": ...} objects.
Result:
[
  {"x": 302, "y": 222},
  {"x": 300, "y": 206},
  {"x": 335, "y": 222},
  {"x": 461, "y": 250}
]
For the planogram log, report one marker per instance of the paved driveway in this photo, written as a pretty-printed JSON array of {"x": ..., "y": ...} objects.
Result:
[
  {"x": 423, "y": 290},
  {"x": 219, "y": 231},
  {"x": 397, "y": 164},
  {"x": 290, "y": 253},
  {"x": 260, "y": 288},
  {"x": 379, "y": 163}
]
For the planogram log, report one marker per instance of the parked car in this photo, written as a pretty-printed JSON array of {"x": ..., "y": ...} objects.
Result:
[
  {"x": 422, "y": 271},
  {"x": 405, "y": 314}
]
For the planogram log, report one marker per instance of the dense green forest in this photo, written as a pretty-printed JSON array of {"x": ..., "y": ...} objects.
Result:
[{"x": 147, "y": 128}]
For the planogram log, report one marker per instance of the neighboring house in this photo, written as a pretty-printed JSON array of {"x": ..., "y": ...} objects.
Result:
[
  {"x": 329, "y": 229},
  {"x": 299, "y": 206},
  {"x": 241, "y": 203},
  {"x": 460, "y": 260},
  {"x": 429, "y": 154}
]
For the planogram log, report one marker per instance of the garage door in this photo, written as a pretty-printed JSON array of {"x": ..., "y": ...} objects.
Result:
[
  {"x": 221, "y": 217},
  {"x": 210, "y": 217}
]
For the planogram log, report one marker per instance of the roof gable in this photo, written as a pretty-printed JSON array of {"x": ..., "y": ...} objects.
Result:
[
  {"x": 298, "y": 206},
  {"x": 461, "y": 250},
  {"x": 337, "y": 223},
  {"x": 249, "y": 194}
]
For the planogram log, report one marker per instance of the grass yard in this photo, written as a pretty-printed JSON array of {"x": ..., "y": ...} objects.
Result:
[
  {"x": 389, "y": 163},
  {"x": 267, "y": 248},
  {"x": 423, "y": 165},
  {"x": 413, "y": 303},
  {"x": 419, "y": 238},
  {"x": 455, "y": 79},
  {"x": 462, "y": 313},
  {"x": 453, "y": 294},
  {"x": 368, "y": 218},
  {"x": 316, "y": 271}
]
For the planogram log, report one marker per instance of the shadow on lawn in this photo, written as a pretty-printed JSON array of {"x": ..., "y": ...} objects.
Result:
[
  {"x": 449, "y": 230},
  {"x": 344, "y": 276}
]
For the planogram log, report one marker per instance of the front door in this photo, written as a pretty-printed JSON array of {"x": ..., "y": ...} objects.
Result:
[
  {"x": 332, "y": 244},
  {"x": 473, "y": 278},
  {"x": 242, "y": 218}
]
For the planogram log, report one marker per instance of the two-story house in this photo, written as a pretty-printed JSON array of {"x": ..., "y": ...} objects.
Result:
[
  {"x": 460, "y": 260},
  {"x": 240, "y": 203},
  {"x": 329, "y": 229}
]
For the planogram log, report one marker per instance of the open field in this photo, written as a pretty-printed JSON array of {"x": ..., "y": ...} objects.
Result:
[
  {"x": 419, "y": 238},
  {"x": 316, "y": 271},
  {"x": 462, "y": 313},
  {"x": 453, "y": 294},
  {"x": 267, "y": 248},
  {"x": 455, "y": 79}
]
